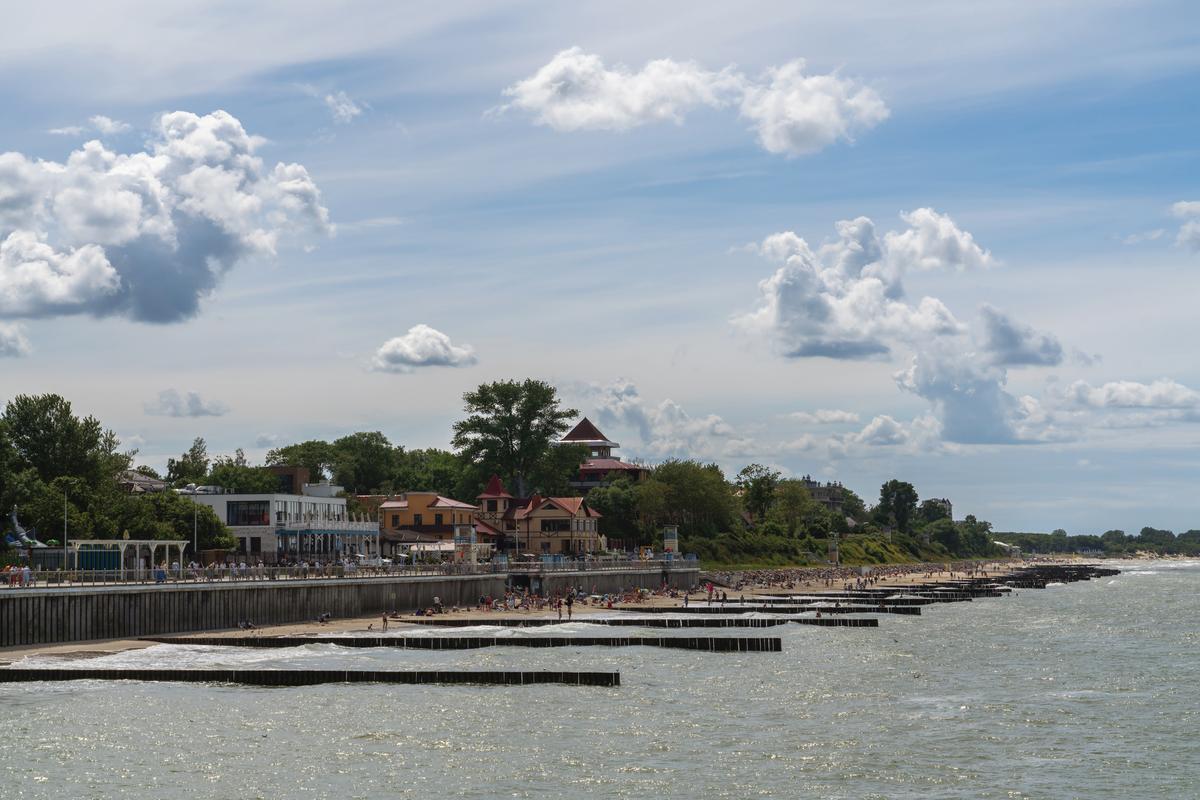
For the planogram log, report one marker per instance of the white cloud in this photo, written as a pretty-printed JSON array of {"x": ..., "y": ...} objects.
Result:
[
  {"x": 13, "y": 343},
  {"x": 422, "y": 346},
  {"x": 792, "y": 113},
  {"x": 1012, "y": 343},
  {"x": 882, "y": 431},
  {"x": 967, "y": 395},
  {"x": 266, "y": 440},
  {"x": 170, "y": 403},
  {"x": 343, "y": 108},
  {"x": 796, "y": 114},
  {"x": 1162, "y": 393},
  {"x": 824, "y": 416},
  {"x": 1189, "y": 231},
  {"x": 933, "y": 241},
  {"x": 36, "y": 280},
  {"x": 107, "y": 126},
  {"x": 847, "y": 299},
  {"x": 663, "y": 430},
  {"x": 147, "y": 234}
]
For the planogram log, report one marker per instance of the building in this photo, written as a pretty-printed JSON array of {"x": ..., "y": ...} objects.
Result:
[
  {"x": 600, "y": 464},
  {"x": 944, "y": 504},
  {"x": 313, "y": 526},
  {"x": 135, "y": 482},
  {"x": 538, "y": 525},
  {"x": 827, "y": 494},
  {"x": 422, "y": 518}
]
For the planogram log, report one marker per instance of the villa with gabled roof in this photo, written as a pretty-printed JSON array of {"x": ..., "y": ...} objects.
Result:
[{"x": 538, "y": 525}]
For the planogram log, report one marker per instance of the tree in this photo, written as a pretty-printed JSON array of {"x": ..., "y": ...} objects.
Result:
[
  {"x": 364, "y": 462},
  {"x": 931, "y": 511},
  {"x": 314, "y": 455},
  {"x": 429, "y": 470},
  {"x": 510, "y": 428},
  {"x": 697, "y": 497},
  {"x": 792, "y": 505},
  {"x": 758, "y": 484},
  {"x": 853, "y": 506},
  {"x": 897, "y": 505},
  {"x": 44, "y": 435},
  {"x": 236, "y": 474},
  {"x": 190, "y": 467},
  {"x": 617, "y": 502}
]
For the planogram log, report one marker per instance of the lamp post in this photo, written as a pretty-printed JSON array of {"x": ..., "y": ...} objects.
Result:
[{"x": 64, "y": 566}]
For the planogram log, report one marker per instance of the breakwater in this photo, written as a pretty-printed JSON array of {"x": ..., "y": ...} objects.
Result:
[
  {"x": 312, "y": 677},
  {"x": 710, "y": 644}
]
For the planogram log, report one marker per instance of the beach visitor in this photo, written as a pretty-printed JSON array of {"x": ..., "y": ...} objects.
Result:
[{"x": 570, "y": 604}]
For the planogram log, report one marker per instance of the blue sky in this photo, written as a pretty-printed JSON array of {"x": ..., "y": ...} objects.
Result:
[{"x": 613, "y": 198}]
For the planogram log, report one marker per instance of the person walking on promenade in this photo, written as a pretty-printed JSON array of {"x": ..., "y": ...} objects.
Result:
[{"x": 570, "y": 605}]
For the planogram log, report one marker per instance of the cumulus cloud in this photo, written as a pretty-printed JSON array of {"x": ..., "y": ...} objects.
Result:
[
  {"x": 146, "y": 235},
  {"x": 882, "y": 431},
  {"x": 13, "y": 343},
  {"x": 967, "y": 395},
  {"x": 1189, "y": 231},
  {"x": 846, "y": 300},
  {"x": 422, "y": 346},
  {"x": 664, "y": 429},
  {"x": 933, "y": 241},
  {"x": 266, "y": 440},
  {"x": 793, "y": 113},
  {"x": 1012, "y": 343},
  {"x": 107, "y": 126},
  {"x": 824, "y": 416},
  {"x": 171, "y": 403}
]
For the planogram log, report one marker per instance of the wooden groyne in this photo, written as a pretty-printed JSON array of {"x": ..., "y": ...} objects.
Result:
[
  {"x": 739, "y": 608},
  {"x": 311, "y": 677},
  {"x": 659, "y": 622},
  {"x": 710, "y": 644}
]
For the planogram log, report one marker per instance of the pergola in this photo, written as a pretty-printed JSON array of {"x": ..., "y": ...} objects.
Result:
[{"x": 121, "y": 545}]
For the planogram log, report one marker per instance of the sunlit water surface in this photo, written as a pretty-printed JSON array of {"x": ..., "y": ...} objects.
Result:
[{"x": 1088, "y": 690}]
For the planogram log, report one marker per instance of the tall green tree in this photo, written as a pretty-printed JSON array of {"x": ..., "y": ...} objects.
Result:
[
  {"x": 315, "y": 455},
  {"x": 46, "y": 436},
  {"x": 757, "y": 484},
  {"x": 364, "y": 462},
  {"x": 428, "y": 470},
  {"x": 697, "y": 497},
  {"x": 190, "y": 467},
  {"x": 234, "y": 473},
  {"x": 510, "y": 428},
  {"x": 897, "y": 505}
]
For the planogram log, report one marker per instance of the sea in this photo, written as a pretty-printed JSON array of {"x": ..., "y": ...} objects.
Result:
[{"x": 1087, "y": 690}]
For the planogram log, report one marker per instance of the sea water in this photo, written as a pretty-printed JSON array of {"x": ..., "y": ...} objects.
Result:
[{"x": 1090, "y": 690}]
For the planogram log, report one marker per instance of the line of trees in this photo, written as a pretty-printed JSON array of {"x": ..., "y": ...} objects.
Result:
[
  {"x": 511, "y": 428},
  {"x": 1110, "y": 543}
]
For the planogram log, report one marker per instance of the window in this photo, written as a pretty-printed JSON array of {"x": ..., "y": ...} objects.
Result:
[
  {"x": 248, "y": 512},
  {"x": 395, "y": 520},
  {"x": 491, "y": 505},
  {"x": 545, "y": 547},
  {"x": 242, "y": 545},
  {"x": 255, "y": 544},
  {"x": 416, "y": 519},
  {"x": 555, "y": 525},
  {"x": 437, "y": 520}
]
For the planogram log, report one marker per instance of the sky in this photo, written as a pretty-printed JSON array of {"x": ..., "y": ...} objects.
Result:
[{"x": 954, "y": 244}]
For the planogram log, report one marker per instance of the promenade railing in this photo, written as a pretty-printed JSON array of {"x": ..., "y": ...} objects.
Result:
[{"x": 225, "y": 574}]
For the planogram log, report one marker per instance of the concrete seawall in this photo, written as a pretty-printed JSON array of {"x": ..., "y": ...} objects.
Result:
[
  {"x": 46, "y": 616},
  {"x": 54, "y": 615}
]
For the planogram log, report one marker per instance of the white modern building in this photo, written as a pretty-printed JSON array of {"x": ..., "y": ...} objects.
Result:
[{"x": 289, "y": 527}]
